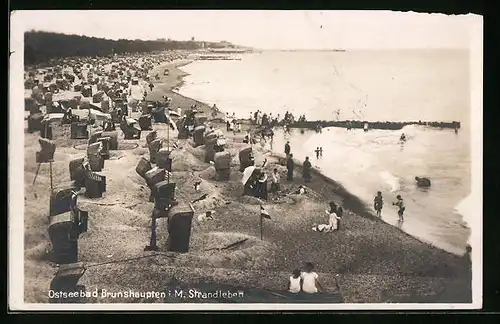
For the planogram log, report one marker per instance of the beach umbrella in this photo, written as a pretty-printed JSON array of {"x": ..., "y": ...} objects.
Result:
[{"x": 247, "y": 174}]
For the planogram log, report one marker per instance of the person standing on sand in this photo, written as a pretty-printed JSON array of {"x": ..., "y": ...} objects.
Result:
[
  {"x": 321, "y": 151},
  {"x": 289, "y": 167},
  {"x": 317, "y": 152},
  {"x": 287, "y": 148},
  {"x": 401, "y": 205},
  {"x": 275, "y": 181},
  {"x": 310, "y": 279},
  {"x": 306, "y": 170},
  {"x": 378, "y": 203}
]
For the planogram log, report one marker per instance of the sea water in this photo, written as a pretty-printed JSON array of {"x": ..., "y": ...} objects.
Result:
[{"x": 408, "y": 85}]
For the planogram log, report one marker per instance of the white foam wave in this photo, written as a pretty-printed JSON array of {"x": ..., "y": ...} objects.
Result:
[{"x": 391, "y": 180}]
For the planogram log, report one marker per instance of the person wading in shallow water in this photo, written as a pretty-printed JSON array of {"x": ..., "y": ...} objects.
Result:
[
  {"x": 289, "y": 168},
  {"x": 306, "y": 170},
  {"x": 401, "y": 205}
]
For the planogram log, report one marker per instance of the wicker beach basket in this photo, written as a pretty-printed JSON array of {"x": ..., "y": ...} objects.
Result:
[
  {"x": 113, "y": 141},
  {"x": 198, "y": 135}
]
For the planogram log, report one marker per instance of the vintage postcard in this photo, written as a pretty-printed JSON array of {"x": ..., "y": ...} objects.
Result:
[{"x": 245, "y": 160}]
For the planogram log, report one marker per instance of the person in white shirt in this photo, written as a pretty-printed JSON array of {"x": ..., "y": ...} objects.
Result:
[
  {"x": 295, "y": 282},
  {"x": 310, "y": 281},
  {"x": 333, "y": 217}
]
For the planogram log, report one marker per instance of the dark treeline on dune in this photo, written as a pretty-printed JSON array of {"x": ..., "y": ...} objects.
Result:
[{"x": 40, "y": 47}]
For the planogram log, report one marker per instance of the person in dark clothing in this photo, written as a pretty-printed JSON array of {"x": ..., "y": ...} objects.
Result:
[
  {"x": 289, "y": 168},
  {"x": 378, "y": 203},
  {"x": 287, "y": 148},
  {"x": 151, "y": 86},
  {"x": 340, "y": 214},
  {"x": 261, "y": 186},
  {"x": 423, "y": 182},
  {"x": 306, "y": 170},
  {"x": 317, "y": 152}
]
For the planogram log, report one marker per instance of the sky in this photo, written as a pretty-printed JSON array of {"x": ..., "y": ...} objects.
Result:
[{"x": 291, "y": 29}]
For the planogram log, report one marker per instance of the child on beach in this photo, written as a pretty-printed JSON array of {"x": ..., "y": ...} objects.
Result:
[
  {"x": 295, "y": 282},
  {"x": 401, "y": 205},
  {"x": 310, "y": 281},
  {"x": 333, "y": 218},
  {"x": 378, "y": 203},
  {"x": 275, "y": 182}
]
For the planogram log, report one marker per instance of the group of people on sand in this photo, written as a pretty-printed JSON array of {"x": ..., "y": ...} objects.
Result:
[{"x": 306, "y": 280}]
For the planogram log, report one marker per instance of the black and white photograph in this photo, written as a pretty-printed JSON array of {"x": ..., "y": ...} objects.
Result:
[{"x": 245, "y": 160}]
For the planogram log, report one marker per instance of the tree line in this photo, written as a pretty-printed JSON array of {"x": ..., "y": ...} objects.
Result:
[{"x": 40, "y": 46}]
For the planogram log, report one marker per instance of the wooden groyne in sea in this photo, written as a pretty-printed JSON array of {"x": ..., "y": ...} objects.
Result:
[{"x": 373, "y": 125}]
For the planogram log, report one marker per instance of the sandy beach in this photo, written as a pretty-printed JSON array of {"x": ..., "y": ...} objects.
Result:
[{"x": 367, "y": 261}]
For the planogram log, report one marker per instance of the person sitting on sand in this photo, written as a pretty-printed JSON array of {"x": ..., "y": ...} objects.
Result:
[
  {"x": 306, "y": 170},
  {"x": 300, "y": 190},
  {"x": 209, "y": 215},
  {"x": 423, "y": 182},
  {"x": 294, "y": 284},
  {"x": 310, "y": 279},
  {"x": 402, "y": 138},
  {"x": 378, "y": 203},
  {"x": 400, "y": 203},
  {"x": 333, "y": 218}
]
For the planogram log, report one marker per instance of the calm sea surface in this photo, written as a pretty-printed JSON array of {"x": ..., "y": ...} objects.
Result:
[{"x": 427, "y": 85}]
